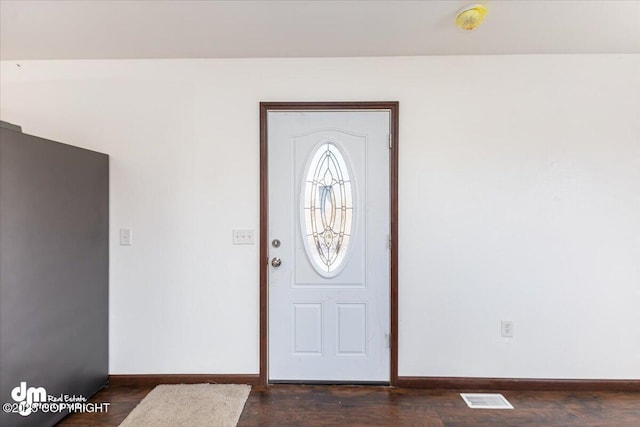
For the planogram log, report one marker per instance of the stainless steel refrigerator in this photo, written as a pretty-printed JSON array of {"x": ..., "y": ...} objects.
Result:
[{"x": 54, "y": 268}]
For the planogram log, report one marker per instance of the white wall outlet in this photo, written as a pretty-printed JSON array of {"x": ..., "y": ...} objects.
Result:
[
  {"x": 244, "y": 237},
  {"x": 506, "y": 329},
  {"x": 125, "y": 237}
]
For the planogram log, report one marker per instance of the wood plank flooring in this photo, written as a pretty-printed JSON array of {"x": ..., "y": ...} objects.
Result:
[{"x": 303, "y": 405}]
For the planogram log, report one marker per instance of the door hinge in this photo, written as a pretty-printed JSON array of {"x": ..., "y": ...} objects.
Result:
[
  {"x": 389, "y": 341},
  {"x": 390, "y": 141},
  {"x": 390, "y": 241}
]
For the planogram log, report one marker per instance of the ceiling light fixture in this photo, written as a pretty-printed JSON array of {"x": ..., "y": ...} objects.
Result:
[{"x": 471, "y": 17}]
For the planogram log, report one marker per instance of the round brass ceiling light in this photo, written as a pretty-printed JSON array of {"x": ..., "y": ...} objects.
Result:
[{"x": 471, "y": 17}]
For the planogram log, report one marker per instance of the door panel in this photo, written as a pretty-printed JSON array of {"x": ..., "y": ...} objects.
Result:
[
  {"x": 329, "y": 208},
  {"x": 306, "y": 325},
  {"x": 351, "y": 331}
]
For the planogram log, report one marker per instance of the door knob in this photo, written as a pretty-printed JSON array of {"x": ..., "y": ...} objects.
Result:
[{"x": 276, "y": 262}]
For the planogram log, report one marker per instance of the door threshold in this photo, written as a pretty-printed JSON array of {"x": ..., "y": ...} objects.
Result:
[{"x": 307, "y": 382}]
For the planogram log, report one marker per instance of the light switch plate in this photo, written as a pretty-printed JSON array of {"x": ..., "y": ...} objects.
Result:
[
  {"x": 125, "y": 237},
  {"x": 244, "y": 237},
  {"x": 506, "y": 328}
]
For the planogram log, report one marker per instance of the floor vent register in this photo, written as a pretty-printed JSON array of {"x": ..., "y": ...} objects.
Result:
[{"x": 486, "y": 401}]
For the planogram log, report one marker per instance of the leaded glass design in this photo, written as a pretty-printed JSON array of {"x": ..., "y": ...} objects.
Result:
[{"x": 328, "y": 209}]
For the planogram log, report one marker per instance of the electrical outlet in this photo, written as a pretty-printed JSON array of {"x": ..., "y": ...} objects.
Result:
[
  {"x": 244, "y": 237},
  {"x": 507, "y": 329},
  {"x": 125, "y": 237}
]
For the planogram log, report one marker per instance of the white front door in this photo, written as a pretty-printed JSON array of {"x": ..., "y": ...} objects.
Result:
[{"x": 329, "y": 222}]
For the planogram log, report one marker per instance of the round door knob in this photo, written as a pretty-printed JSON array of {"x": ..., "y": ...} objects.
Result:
[{"x": 276, "y": 262}]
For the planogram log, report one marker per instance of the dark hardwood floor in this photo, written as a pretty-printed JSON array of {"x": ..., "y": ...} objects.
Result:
[{"x": 301, "y": 405}]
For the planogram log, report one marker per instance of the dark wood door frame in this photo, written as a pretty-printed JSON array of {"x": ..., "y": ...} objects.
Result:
[{"x": 393, "y": 107}]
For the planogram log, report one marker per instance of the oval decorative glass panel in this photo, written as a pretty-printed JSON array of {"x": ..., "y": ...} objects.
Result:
[{"x": 327, "y": 203}]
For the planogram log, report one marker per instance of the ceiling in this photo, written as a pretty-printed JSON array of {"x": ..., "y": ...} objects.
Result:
[{"x": 241, "y": 29}]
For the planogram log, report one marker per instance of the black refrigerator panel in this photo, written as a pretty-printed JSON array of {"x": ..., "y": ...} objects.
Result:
[{"x": 54, "y": 268}]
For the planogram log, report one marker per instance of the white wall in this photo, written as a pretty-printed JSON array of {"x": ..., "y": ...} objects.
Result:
[{"x": 519, "y": 200}]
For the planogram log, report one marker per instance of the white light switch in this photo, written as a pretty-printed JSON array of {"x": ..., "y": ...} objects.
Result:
[
  {"x": 244, "y": 237},
  {"x": 506, "y": 328},
  {"x": 125, "y": 237}
]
